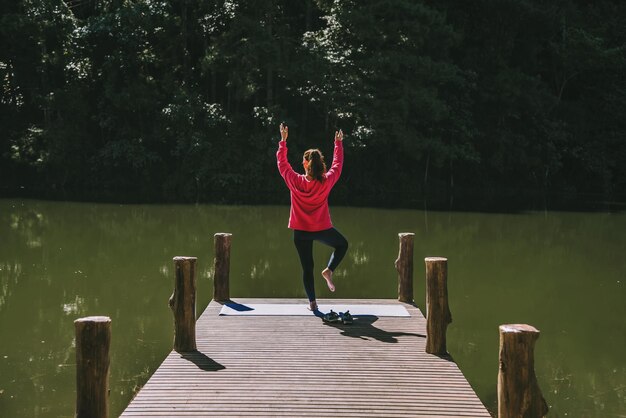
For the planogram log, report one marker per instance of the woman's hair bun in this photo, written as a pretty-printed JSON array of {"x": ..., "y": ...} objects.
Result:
[{"x": 317, "y": 168}]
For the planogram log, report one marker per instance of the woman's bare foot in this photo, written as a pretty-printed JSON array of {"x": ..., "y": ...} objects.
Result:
[
  {"x": 328, "y": 275},
  {"x": 313, "y": 306}
]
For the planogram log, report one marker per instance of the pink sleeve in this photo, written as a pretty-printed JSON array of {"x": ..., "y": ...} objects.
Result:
[
  {"x": 284, "y": 168},
  {"x": 335, "y": 170}
]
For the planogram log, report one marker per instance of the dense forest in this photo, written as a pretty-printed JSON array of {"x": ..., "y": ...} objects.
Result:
[{"x": 465, "y": 104}]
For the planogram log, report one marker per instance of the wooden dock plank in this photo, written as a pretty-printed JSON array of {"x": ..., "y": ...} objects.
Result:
[{"x": 298, "y": 366}]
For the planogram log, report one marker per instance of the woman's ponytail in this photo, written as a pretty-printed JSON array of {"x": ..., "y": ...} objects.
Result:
[{"x": 317, "y": 166}]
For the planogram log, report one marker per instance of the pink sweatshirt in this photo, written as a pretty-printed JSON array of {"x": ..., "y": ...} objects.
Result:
[{"x": 309, "y": 198}]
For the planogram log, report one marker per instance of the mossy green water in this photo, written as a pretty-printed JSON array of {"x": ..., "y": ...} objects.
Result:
[{"x": 564, "y": 273}]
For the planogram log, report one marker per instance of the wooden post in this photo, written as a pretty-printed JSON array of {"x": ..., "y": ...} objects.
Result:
[
  {"x": 518, "y": 391},
  {"x": 221, "y": 266},
  {"x": 404, "y": 265},
  {"x": 93, "y": 339},
  {"x": 183, "y": 304},
  {"x": 438, "y": 314}
]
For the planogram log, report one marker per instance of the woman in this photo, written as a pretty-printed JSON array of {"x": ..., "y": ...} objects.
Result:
[{"x": 309, "y": 216}]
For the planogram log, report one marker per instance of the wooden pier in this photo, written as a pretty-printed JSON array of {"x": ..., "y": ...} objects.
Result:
[
  {"x": 298, "y": 366},
  {"x": 272, "y": 357}
]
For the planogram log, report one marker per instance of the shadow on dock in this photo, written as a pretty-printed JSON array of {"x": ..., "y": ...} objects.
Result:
[
  {"x": 202, "y": 361},
  {"x": 363, "y": 328}
]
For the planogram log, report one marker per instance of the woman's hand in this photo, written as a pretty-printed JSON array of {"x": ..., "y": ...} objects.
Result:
[
  {"x": 284, "y": 132},
  {"x": 339, "y": 135}
]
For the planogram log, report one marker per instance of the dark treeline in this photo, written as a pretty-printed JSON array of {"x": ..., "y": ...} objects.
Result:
[{"x": 482, "y": 103}]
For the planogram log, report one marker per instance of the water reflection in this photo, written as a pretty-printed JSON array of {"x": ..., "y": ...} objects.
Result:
[
  {"x": 563, "y": 273},
  {"x": 75, "y": 308}
]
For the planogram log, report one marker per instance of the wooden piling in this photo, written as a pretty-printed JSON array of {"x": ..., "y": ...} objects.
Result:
[
  {"x": 518, "y": 391},
  {"x": 221, "y": 266},
  {"x": 404, "y": 266},
  {"x": 183, "y": 304},
  {"x": 93, "y": 340},
  {"x": 438, "y": 314}
]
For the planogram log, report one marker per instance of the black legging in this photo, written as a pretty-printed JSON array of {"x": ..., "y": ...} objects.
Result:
[{"x": 304, "y": 245}]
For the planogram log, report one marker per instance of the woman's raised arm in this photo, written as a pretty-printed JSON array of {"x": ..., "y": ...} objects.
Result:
[
  {"x": 284, "y": 168},
  {"x": 335, "y": 170}
]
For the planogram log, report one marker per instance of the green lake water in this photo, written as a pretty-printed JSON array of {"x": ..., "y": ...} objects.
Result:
[{"x": 564, "y": 273}]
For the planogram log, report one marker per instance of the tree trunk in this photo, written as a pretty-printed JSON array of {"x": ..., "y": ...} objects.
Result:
[
  {"x": 326, "y": 119},
  {"x": 184, "y": 35},
  {"x": 93, "y": 339},
  {"x": 518, "y": 391},
  {"x": 451, "y": 194},
  {"x": 404, "y": 266},
  {"x": 11, "y": 84},
  {"x": 213, "y": 86},
  {"x": 307, "y": 16},
  {"x": 44, "y": 86},
  {"x": 183, "y": 304},
  {"x": 304, "y": 116},
  {"x": 221, "y": 266},
  {"x": 270, "y": 70},
  {"x": 438, "y": 314},
  {"x": 229, "y": 94},
  {"x": 270, "y": 87},
  {"x": 426, "y": 175}
]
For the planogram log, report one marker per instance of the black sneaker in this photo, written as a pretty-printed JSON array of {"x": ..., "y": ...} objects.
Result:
[
  {"x": 346, "y": 318},
  {"x": 331, "y": 317}
]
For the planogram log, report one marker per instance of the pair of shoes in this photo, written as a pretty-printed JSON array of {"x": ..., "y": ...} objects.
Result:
[
  {"x": 346, "y": 318},
  {"x": 334, "y": 317},
  {"x": 331, "y": 317}
]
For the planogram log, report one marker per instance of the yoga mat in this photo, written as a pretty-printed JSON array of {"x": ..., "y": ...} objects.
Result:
[{"x": 278, "y": 309}]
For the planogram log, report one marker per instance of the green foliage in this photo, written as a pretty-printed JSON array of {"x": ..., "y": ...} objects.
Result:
[{"x": 180, "y": 100}]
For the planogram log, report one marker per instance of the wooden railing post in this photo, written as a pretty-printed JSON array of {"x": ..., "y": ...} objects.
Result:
[
  {"x": 93, "y": 339},
  {"x": 221, "y": 266},
  {"x": 518, "y": 391},
  {"x": 438, "y": 314},
  {"x": 404, "y": 265},
  {"x": 183, "y": 304}
]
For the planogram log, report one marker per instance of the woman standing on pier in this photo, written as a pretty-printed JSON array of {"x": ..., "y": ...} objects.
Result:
[{"x": 309, "y": 216}]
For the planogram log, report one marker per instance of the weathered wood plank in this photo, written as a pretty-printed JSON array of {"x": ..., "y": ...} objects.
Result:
[{"x": 298, "y": 366}]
